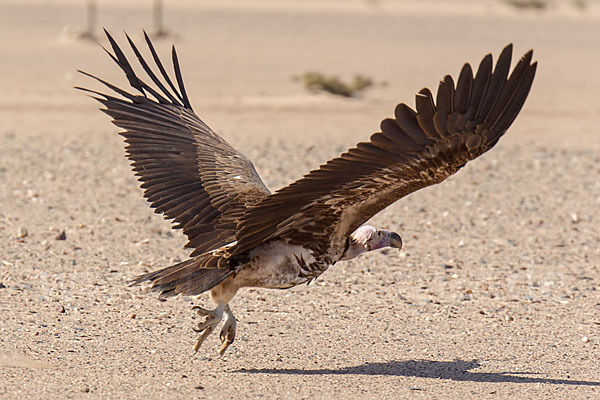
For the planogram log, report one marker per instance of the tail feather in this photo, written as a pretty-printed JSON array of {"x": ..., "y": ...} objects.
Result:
[{"x": 190, "y": 277}]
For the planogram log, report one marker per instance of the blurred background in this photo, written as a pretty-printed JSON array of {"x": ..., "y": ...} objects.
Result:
[
  {"x": 501, "y": 263},
  {"x": 245, "y": 54}
]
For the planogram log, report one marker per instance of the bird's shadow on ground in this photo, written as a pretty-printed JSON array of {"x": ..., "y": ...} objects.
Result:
[{"x": 457, "y": 370}]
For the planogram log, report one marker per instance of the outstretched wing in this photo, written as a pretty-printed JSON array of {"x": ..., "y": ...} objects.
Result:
[
  {"x": 188, "y": 172},
  {"x": 412, "y": 151}
]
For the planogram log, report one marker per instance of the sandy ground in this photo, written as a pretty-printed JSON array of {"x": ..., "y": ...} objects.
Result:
[{"x": 495, "y": 295}]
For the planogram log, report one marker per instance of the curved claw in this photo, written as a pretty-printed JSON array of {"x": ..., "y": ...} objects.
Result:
[
  {"x": 203, "y": 311},
  {"x": 209, "y": 323},
  {"x": 202, "y": 337},
  {"x": 206, "y": 327},
  {"x": 227, "y": 338},
  {"x": 213, "y": 318},
  {"x": 224, "y": 347},
  {"x": 227, "y": 334}
]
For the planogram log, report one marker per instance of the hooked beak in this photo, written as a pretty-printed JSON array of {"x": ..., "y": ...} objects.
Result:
[{"x": 395, "y": 240}]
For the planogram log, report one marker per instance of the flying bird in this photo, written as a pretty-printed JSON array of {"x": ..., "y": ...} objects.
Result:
[{"x": 242, "y": 235}]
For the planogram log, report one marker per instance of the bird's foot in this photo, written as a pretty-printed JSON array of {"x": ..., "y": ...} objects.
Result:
[
  {"x": 205, "y": 328},
  {"x": 227, "y": 334}
]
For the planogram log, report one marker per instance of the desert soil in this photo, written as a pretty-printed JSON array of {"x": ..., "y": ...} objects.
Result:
[{"x": 496, "y": 293}]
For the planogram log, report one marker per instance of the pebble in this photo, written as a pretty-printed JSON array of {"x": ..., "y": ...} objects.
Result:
[
  {"x": 585, "y": 339},
  {"x": 22, "y": 232},
  {"x": 574, "y": 218},
  {"x": 61, "y": 236},
  {"x": 60, "y": 309}
]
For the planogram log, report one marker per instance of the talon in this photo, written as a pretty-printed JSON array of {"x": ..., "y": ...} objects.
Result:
[
  {"x": 226, "y": 339},
  {"x": 203, "y": 311},
  {"x": 213, "y": 318},
  {"x": 227, "y": 334},
  {"x": 202, "y": 337},
  {"x": 209, "y": 323},
  {"x": 224, "y": 347},
  {"x": 206, "y": 327}
]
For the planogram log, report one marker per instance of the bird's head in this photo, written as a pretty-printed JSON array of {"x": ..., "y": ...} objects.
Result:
[{"x": 367, "y": 238}]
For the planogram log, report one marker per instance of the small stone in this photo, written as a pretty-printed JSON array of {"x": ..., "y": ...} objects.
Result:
[
  {"x": 2, "y": 286},
  {"x": 61, "y": 236},
  {"x": 585, "y": 339},
  {"x": 508, "y": 318},
  {"x": 22, "y": 232},
  {"x": 132, "y": 316},
  {"x": 574, "y": 218},
  {"x": 60, "y": 309},
  {"x": 85, "y": 389}
]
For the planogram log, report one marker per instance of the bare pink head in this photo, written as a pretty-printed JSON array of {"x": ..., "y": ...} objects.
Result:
[{"x": 368, "y": 238}]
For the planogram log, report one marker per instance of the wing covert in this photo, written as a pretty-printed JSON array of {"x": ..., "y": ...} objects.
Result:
[{"x": 413, "y": 150}]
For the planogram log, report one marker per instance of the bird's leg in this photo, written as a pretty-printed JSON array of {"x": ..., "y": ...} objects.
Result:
[
  {"x": 213, "y": 318},
  {"x": 227, "y": 334}
]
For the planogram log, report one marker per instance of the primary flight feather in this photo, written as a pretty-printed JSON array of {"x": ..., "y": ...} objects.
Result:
[{"x": 243, "y": 235}]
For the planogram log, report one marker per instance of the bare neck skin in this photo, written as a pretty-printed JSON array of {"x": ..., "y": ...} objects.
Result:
[{"x": 368, "y": 238}]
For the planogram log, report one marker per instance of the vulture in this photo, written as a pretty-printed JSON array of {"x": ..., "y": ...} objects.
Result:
[{"x": 242, "y": 235}]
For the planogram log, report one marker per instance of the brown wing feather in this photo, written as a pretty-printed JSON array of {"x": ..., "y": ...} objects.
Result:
[
  {"x": 188, "y": 172},
  {"x": 414, "y": 150}
]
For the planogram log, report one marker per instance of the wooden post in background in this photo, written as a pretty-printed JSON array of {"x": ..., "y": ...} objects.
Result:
[
  {"x": 157, "y": 13},
  {"x": 91, "y": 11}
]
